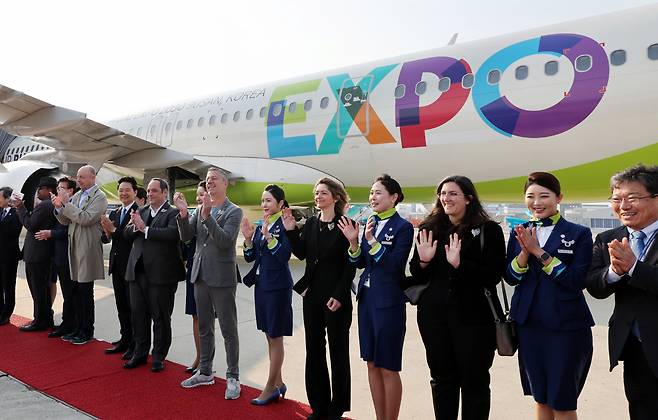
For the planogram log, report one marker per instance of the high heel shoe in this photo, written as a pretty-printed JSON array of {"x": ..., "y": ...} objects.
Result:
[
  {"x": 274, "y": 396},
  {"x": 282, "y": 390}
]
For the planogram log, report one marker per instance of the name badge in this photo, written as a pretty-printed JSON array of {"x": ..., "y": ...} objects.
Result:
[
  {"x": 386, "y": 243},
  {"x": 565, "y": 251}
]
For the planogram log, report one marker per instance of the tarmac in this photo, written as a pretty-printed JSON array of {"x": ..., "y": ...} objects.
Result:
[{"x": 602, "y": 398}]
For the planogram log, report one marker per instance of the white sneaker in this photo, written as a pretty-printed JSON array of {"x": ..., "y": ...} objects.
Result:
[
  {"x": 232, "y": 389},
  {"x": 198, "y": 379}
]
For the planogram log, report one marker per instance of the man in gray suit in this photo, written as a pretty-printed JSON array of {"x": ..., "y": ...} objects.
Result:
[{"x": 214, "y": 275}]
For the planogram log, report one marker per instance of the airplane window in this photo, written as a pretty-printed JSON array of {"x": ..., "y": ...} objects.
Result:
[
  {"x": 263, "y": 112},
  {"x": 277, "y": 109},
  {"x": 551, "y": 68},
  {"x": 179, "y": 125},
  {"x": 652, "y": 52},
  {"x": 200, "y": 122},
  {"x": 236, "y": 116},
  {"x": 22, "y": 150},
  {"x": 250, "y": 114},
  {"x": 421, "y": 87},
  {"x": 167, "y": 127},
  {"x": 493, "y": 77},
  {"x": 399, "y": 91},
  {"x": 324, "y": 102},
  {"x": 618, "y": 57},
  {"x": 190, "y": 122},
  {"x": 521, "y": 72},
  {"x": 213, "y": 119},
  {"x": 292, "y": 108},
  {"x": 444, "y": 84},
  {"x": 467, "y": 81},
  {"x": 139, "y": 131},
  {"x": 224, "y": 118},
  {"x": 308, "y": 105},
  {"x": 583, "y": 63}
]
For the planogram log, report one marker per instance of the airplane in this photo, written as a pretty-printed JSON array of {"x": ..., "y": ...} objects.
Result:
[{"x": 576, "y": 98}]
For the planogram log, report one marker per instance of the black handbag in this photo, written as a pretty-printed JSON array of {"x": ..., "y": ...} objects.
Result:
[
  {"x": 413, "y": 293},
  {"x": 506, "y": 340}
]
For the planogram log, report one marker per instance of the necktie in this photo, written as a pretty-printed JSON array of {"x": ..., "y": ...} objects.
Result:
[
  {"x": 123, "y": 216},
  {"x": 3, "y": 214},
  {"x": 637, "y": 243}
]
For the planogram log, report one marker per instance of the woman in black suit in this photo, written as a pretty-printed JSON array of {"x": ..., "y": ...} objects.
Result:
[
  {"x": 460, "y": 251},
  {"x": 325, "y": 288}
]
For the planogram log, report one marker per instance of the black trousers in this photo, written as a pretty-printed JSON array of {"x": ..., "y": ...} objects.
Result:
[
  {"x": 68, "y": 286},
  {"x": 7, "y": 288},
  {"x": 640, "y": 383},
  {"x": 459, "y": 357},
  {"x": 84, "y": 308},
  {"x": 325, "y": 398},
  {"x": 150, "y": 302},
  {"x": 122, "y": 300},
  {"x": 38, "y": 280}
]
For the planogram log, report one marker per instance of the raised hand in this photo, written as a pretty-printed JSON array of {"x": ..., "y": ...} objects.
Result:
[
  {"x": 107, "y": 225},
  {"x": 350, "y": 231},
  {"x": 265, "y": 229},
  {"x": 453, "y": 249},
  {"x": 369, "y": 232},
  {"x": 206, "y": 206},
  {"x": 181, "y": 204},
  {"x": 56, "y": 200},
  {"x": 137, "y": 221},
  {"x": 247, "y": 230},
  {"x": 425, "y": 246},
  {"x": 622, "y": 257},
  {"x": 288, "y": 219}
]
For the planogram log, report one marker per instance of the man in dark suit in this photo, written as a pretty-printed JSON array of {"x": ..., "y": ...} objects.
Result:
[
  {"x": 113, "y": 231},
  {"x": 155, "y": 267},
  {"x": 10, "y": 230},
  {"x": 625, "y": 262},
  {"x": 38, "y": 254}
]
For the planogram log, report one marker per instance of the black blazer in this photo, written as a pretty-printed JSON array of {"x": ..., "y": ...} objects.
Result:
[
  {"x": 10, "y": 230},
  {"x": 462, "y": 289},
  {"x": 329, "y": 273},
  {"x": 636, "y": 297},
  {"x": 160, "y": 252},
  {"x": 41, "y": 218},
  {"x": 121, "y": 246},
  {"x": 60, "y": 237}
]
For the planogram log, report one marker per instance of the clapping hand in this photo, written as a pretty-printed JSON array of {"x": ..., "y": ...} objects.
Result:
[
  {"x": 107, "y": 225},
  {"x": 181, "y": 204},
  {"x": 206, "y": 206},
  {"x": 369, "y": 232},
  {"x": 622, "y": 257},
  {"x": 265, "y": 229},
  {"x": 288, "y": 219},
  {"x": 425, "y": 246},
  {"x": 137, "y": 221},
  {"x": 527, "y": 238},
  {"x": 453, "y": 249},
  {"x": 247, "y": 230},
  {"x": 350, "y": 231}
]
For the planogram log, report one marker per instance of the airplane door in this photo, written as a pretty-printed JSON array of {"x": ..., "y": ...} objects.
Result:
[
  {"x": 153, "y": 133},
  {"x": 168, "y": 128},
  {"x": 353, "y": 96}
]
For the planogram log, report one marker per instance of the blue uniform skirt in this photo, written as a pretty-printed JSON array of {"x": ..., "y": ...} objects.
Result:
[
  {"x": 274, "y": 311},
  {"x": 381, "y": 333},
  {"x": 554, "y": 364}
]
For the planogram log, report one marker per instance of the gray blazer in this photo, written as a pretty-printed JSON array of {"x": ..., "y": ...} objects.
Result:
[{"x": 214, "y": 257}]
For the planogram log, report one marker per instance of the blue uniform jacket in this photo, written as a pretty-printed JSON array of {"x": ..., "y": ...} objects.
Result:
[
  {"x": 386, "y": 269},
  {"x": 554, "y": 300},
  {"x": 271, "y": 264}
]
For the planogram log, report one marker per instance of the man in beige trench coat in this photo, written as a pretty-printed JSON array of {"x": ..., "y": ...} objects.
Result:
[{"x": 82, "y": 213}]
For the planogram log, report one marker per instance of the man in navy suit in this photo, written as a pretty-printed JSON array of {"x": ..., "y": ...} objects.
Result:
[
  {"x": 10, "y": 229},
  {"x": 625, "y": 262}
]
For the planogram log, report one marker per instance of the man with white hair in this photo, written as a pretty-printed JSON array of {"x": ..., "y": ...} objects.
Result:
[{"x": 82, "y": 213}]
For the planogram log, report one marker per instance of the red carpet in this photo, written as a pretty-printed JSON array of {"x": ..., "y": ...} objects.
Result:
[{"x": 85, "y": 378}]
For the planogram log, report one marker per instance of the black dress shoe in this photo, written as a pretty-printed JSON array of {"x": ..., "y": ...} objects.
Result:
[
  {"x": 58, "y": 332},
  {"x": 157, "y": 366},
  {"x": 4, "y": 321},
  {"x": 33, "y": 328},
  {"x": 127, "y": 355},
  {"x": 134, "y": 362},
  {"x": 117, "y": 348}
]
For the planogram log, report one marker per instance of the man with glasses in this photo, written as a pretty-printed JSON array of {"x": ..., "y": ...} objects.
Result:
[{"x": 625, "y": 262}]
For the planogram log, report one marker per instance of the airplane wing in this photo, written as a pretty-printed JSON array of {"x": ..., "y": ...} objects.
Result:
[{"x": 77, "y": 139}]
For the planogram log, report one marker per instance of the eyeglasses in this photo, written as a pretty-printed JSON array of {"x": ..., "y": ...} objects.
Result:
[
  {"x": 630, "y": 200},
  {"x": 450, "y": 194}
]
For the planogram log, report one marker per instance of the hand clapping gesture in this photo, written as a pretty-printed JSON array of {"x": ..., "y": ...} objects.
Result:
[
  {"x": 622, "y": 257},
  {"x": 206, "y": 206},
  {"x": 265, "y": 229},
  {"x": 137, "y": 221},
  {"x": 107, "y": 225},
  {"x": 425, "y": 246},
  {"x": 350, "y": 231},
  {"x": 181, "y": 204},
  {"x": 288, "y": 219},
  {"x": 369, "y": 232},
  {"x": 453, "y": 249},
  {"x": 247, "y": 230}
]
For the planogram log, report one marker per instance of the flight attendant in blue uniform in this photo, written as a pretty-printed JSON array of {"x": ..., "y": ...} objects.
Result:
[
  {"x": 383, "y": 254},
  {"x": 547, "y": 261},
  {"x": 268, "y": 246}
]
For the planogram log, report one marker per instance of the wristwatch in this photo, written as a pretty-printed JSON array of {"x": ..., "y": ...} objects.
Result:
[
  {"x": 544, "y": 257},
  {"x": 372, "y": 241}
]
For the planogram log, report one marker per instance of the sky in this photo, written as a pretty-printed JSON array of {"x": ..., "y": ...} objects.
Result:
[{"x": 120, "y": 57}]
